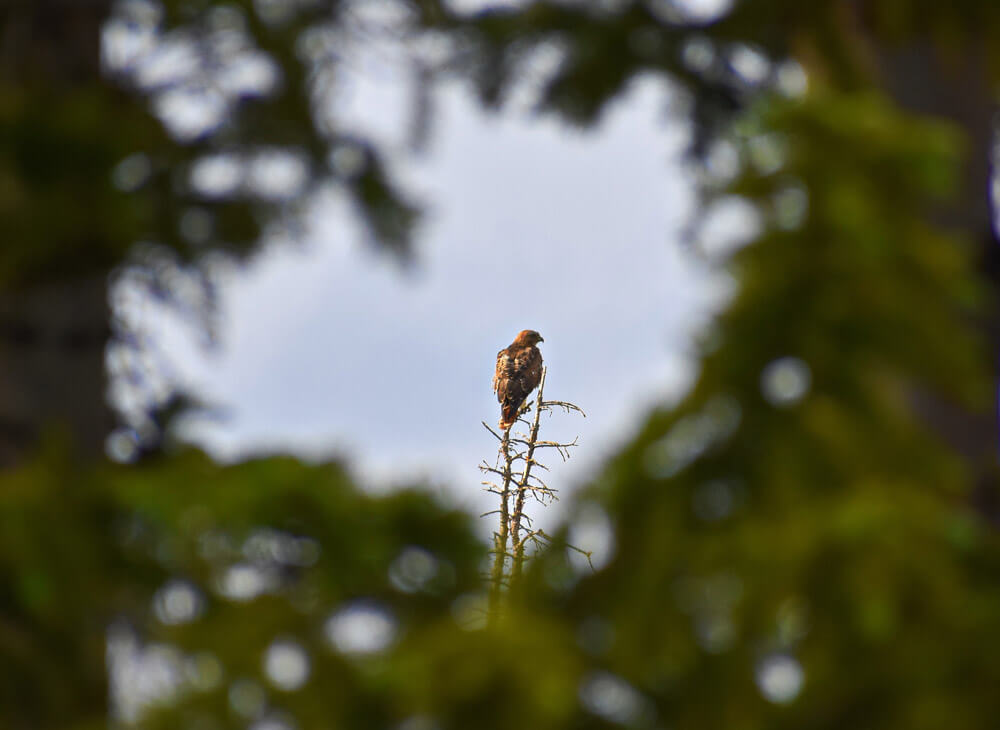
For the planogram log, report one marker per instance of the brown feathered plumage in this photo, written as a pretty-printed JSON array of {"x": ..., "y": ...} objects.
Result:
[{"x": 519, "y": 370}]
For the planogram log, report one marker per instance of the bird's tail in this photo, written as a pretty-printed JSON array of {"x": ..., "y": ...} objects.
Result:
[{"x": 508, "y": 414}]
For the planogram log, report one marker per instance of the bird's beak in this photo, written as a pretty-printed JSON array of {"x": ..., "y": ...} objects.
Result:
[{"x": 541, "y": 339}]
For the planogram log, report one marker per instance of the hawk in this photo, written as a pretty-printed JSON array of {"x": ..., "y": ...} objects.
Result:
[{"x": 519, "y": 370}]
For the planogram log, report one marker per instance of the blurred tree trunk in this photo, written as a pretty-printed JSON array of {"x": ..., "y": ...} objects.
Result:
[
  {"x": 954, "y": 85},
  {"x": 52, "y": 333},
  {"x": 52, "y": 339},
  {"x": 54, "y": 40}
]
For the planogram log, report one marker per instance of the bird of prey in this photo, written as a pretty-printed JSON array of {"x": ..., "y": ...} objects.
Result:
[{"x": 519, "y": 370}]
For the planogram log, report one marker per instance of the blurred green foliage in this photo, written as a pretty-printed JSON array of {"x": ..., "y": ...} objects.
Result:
[
  {"x": 793, "y": 546},
  {"x": 67, "y": 139},
  {"x": 56, "y": 153},
  {"x": 792, "y": 505},
  {"x": 84, "y": 547}
]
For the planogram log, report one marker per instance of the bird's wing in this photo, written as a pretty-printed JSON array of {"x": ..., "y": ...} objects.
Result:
[
  {"x": 523, "y": 373},
  {"x": 505, "y": 364},
  {"x": 528, "y": 368}
]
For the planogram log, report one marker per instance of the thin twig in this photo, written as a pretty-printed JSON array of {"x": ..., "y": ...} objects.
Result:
[
  {"x": 495, "y": 434},
  {"x": 566, "y": 405},
  {"x": 586, "y": 553}
]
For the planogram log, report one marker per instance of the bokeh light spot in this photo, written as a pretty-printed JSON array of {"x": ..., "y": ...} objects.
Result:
[
  {"x": 779, "y": 678},
  {"x": 698, "y": 53},
  {"x": 784, "y": 382},
  {"x": 216, "y": 176},
  {"x": 791, "y": 205},
  {"x": 791, "y": 79},
  {"x": 413, "y": 569},
  {"x": 130, "y": 174},
  {"x": 361, "y": 628},
  {"x": 695, "y": 12},
  {"x": 767, "y": 153},
  {"x": 242, "y": 582},
  {"x": 286, "y": 665},
  {"x": 178, "y": 602},
  {"x": 278, "y": 174},
  {"x": 122, "y": 445},
  {"x": 251, "y": 74},
  {"x": 612, "y": 698},
  {"x": 752, "y": 65},
  {"x": 190, "y": 113}
]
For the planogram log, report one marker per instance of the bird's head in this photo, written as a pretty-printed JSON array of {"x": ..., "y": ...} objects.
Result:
[{"x": 528, "y": 337}]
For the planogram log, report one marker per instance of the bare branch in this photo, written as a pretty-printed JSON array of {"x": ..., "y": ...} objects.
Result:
[
  {"x": 495, "y": 434},
  {"x": 569, "y": 546},
  {"x": 501, "y": 537},
  {"x": 516, "y": 530},
  {"x": 521, "y": 490},
  {"x": 564, "y": 405}
]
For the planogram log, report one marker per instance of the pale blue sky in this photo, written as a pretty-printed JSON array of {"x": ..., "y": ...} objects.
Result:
[{"x": 326, "y": 348}]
